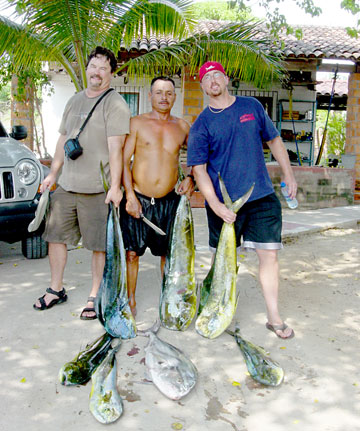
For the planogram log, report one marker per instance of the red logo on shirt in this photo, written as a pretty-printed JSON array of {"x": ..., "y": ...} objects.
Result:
[{"x": 247, "y": 117}]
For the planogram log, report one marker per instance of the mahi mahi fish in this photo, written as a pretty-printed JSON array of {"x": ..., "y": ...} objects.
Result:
[
  {"x": 112, "y": 303},
  {"x": 220, "y": 287},
  {"x": 178, "y": 295},
  {"x": 171, "y": 371},
  {"x": 260, "y": 366},
  {"x": 79, "y": 370},
  {"x": 105, "y": 403}
]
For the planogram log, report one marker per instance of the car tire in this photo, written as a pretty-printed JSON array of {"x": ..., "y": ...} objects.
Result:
[{"x": 34, "y": 247}]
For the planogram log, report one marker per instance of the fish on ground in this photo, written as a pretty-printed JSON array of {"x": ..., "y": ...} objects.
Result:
[
  {"x": 79, "y": 370},
  {"x": 260, "y": 366},
  {"x": 218, "y": 294},
  {"x": 112, "y": 303},
  {"x": 178, "y": 294},
  {"x": 171, "y": 371},
  {"x": 106, "y": 404}
]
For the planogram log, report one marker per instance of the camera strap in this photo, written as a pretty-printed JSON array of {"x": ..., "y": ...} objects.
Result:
[{"x": 92, "y": 110}]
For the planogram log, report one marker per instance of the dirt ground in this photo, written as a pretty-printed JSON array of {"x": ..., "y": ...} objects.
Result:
[{"x": 319, "y": 298}]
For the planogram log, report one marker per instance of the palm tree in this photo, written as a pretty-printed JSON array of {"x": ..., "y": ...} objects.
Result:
[{"x": 65, "y": 31}]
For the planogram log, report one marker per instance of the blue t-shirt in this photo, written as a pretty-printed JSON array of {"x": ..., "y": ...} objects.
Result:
[{"x": 230, "y": 142}]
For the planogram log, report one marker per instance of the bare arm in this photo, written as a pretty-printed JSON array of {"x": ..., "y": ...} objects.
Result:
[
  {"x": 206, "y": 187},
  {"x": 278, "y": 150},
  {"x": 115, "y": 145},
  {"x": 133, "y": 206},
  {"x": 56, "y": 164},
  {"x": 187, "y": 186}
]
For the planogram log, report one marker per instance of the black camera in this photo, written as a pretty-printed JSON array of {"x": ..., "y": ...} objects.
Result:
[{"x": 73, "y": 149}]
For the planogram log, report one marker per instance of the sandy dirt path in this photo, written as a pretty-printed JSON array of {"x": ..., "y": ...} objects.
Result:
[{"x": 320, "y": 288}]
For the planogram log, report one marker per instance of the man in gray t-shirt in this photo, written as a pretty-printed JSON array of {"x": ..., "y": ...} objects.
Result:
[{"x": 79, "y": 206}]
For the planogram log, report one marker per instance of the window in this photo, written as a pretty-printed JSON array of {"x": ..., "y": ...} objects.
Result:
[{"x": 132, "y": 99}]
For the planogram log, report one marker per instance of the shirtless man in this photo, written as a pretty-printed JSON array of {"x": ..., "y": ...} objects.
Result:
[{"x": 150, "y": 178}]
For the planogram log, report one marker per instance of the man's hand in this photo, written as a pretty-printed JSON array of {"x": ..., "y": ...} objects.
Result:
[
  {"x": 221, "y": 211},
  {"x": 114, "y": 195},
  {"x": 48, "y": 182},
  {"x": 133, "y": 206},
  {"x": 291, "y": 184},
  {"x": 186, "y": 187}
]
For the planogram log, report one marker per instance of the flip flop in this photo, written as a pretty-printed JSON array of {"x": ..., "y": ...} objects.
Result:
[{"x": 282, "y": 327}]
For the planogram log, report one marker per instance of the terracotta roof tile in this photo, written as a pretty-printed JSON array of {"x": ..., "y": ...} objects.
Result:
[
  {"x": 325, "y": 87},
  {"x": 322, "y": 42},
  {"x": 317, "y": 42}
]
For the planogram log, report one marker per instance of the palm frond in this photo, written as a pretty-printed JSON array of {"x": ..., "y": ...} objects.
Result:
[
  {"x": 240, "y": 48},
  {"x": 151, "y": 18},
  {"x": 26, "y": 48}
]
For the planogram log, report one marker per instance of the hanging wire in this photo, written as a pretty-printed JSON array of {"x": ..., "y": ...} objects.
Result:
[{"x": 321, "y": 149}]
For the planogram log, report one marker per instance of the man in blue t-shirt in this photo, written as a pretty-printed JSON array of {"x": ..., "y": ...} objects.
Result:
[{"x": 227, "y": 138}]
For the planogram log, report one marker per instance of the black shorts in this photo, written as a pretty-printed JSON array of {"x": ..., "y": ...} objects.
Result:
[
  {"x": 258, "y": 222},
  {"x": 137, "y": 235}
]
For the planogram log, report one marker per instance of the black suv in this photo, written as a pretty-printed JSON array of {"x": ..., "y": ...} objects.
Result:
[{"x": 21, "y": 174}]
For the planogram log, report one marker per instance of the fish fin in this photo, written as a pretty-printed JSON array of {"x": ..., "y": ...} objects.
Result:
[
  {"x": 105, "y": 183},
  {"x": 237, "y": 300},
  {"x": 181, "y": 172},
  {"x": 232, "y": 333},
  {"x": 236, "y": 332},
  {"x": 227, "y": 200},
  {"x": 118, "y": 345},
  {"x": 154, "y": 329},
  {"x": 241, "y": 201}
]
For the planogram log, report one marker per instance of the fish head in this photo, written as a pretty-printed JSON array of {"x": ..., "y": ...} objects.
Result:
[{"x": 121, "y": 324}]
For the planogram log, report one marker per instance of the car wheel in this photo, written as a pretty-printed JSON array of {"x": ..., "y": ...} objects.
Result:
[{"x": 34, "y": 247}]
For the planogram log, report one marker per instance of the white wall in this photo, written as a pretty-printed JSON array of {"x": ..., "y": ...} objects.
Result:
[{"x": 53, "y": 105}]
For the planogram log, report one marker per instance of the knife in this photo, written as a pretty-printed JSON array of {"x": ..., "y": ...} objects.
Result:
[{"x": 152, "y": 225}]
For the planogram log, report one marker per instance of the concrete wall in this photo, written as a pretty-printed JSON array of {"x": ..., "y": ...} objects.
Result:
[{"x": 317, "y": 187}]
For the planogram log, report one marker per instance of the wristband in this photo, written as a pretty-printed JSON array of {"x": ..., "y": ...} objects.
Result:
[{"x": 191, "y": 176}]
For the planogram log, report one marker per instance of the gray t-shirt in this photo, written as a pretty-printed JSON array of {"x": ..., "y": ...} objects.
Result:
[{"x": 110, "y": 118}]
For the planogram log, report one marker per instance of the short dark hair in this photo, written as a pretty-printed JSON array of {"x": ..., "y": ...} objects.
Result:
[
  {"x": 100, "y": 50},
  {"x": 161, "y": 78}
]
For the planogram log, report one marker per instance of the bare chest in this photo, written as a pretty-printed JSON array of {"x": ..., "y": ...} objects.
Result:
[{"x": 164, "y": 136}]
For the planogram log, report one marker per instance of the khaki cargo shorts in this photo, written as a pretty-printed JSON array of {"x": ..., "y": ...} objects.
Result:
[{"x": 77, "y": 215}]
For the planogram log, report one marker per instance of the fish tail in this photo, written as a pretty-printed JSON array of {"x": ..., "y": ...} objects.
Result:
[
  {"x": 227, "y": 200},
  {"x": 241, "y": 201},
  {"x": 154, "y": 328},
  {"x": 233, "y": 206},
  {"x": 232, "y": 333}
]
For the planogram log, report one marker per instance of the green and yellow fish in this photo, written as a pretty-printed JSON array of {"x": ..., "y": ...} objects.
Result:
[
  {"x": 178, "y": 294},
  {"x": 218, "y": 294},
  {"x": 260, "y": 366},
  {"x": 106, "y": 404}
]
